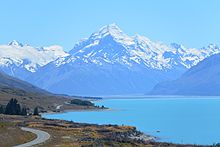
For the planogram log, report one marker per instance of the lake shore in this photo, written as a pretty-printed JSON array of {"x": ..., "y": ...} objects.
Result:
[
  {"x": 146, "y": 115},
  {"x": 82, "y": 134}
]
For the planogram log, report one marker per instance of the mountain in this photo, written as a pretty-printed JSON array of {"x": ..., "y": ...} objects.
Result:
[
  {"x": 30, "y": 96},
  {"x": 8, "y": 82},
  {"x": 110, "y": 62},
  {"x": 21, "y": 61},
  {"x": 202, "y": 79}
]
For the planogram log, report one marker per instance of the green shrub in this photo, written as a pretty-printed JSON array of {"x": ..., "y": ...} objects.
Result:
[{"x": 81, "y": 102}]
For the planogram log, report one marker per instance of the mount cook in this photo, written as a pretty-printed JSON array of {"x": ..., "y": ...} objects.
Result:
[{"x": 109, "y": 62}]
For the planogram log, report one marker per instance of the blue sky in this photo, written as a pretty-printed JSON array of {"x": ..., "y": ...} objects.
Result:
[{"x": 193, "y": 23}]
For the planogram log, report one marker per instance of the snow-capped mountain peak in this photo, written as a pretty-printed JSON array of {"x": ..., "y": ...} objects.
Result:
[
  {"x": 111, "y": 29},
  {"x": 115, "y": 32},
  {"x": 138, "y": 38},
  {"x": 110, "y": 44},
  {"x": 15, "y": 43},
  {"x": 18, "y": 57},
  {"x": 212, "y": 47}
]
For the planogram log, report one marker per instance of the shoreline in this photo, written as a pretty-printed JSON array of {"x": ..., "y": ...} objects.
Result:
[
  {"x": 144, "y": 136},
  {"x": 64, "y": 129},
  {"x": 77, "y": 110},
  {"x": 157, "y": 139}
]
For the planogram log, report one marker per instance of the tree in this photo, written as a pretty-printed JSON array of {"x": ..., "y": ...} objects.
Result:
[
  {"x": 8, "y": 109},
  {"x": 2, "y": 110},
  {"x": 36, "y": 111},
  {"x": 24, "y": 111},
  {"x": 17, "y": 108},
  {"x": 13, "y": 108},
  {"x": 81, "y": 102}
]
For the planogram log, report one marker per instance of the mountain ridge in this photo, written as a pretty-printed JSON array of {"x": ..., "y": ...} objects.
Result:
[
  {"x": 201, "y": 80},
  {"x": 111, "y": 62},
  {"x": 97, "y": 65},
  {"x": 20, "y": 60}
]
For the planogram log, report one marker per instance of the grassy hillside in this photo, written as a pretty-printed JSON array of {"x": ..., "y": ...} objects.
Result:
[
  {"x": 11, "y": 134},
  {"x": 30, "y": 96}
]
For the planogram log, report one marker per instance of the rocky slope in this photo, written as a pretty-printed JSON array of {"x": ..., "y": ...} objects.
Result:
[{"x": 202, "y": 79}]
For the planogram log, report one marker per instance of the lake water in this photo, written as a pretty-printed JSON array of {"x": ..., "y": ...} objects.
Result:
[{"x": 189, "y": 120}]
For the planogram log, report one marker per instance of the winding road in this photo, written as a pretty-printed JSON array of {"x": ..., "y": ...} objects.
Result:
[{"x": 42, "y": 136}]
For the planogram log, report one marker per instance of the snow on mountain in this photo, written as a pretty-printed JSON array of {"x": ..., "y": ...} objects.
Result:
[
  {"x": 114, "y": 31},
  {"x": 202, "y": 79},
  {"x": 111, "y": 62},
  {"x": 137, "y": 50},
  {"x": 107, "y": 62},
  {"x": 15, "y": 43},
  {"x": 16, "y": 58}
]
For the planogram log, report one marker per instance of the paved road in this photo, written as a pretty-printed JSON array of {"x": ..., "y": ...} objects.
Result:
[
  {"x": 42, "y": 136},
  {"x": 58, "y": 107}
]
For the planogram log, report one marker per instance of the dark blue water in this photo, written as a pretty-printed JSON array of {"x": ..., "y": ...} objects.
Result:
[{"x": 195, "y": 121}]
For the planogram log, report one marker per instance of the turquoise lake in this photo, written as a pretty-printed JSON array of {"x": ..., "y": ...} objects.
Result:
[{"x": 178, "y": 120}]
